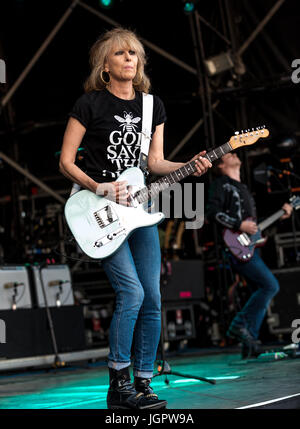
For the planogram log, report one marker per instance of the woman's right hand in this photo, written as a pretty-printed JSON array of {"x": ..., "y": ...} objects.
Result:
[
  {"x": 248, "y": 226},
  {"x": 114, "y": 191}
]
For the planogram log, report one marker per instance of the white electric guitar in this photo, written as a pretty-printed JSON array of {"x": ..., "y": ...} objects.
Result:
[{"x": 100, "y": 226}]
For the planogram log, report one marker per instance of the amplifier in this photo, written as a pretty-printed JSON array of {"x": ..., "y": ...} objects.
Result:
[
  {"x": 14, "y": 288},
  {"x": 182, "y": 280},
  {"x": 285, "y": 306},
  {"x": 57, "y": 284}
]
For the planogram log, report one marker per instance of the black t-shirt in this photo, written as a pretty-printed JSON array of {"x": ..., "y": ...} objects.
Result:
[{"x": 112, "y": 141}]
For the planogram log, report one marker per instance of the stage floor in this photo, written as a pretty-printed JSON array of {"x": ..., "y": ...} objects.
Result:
[{"x": 238, "y": 384}]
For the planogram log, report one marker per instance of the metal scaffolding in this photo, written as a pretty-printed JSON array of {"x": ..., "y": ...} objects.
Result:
[{"x": 210, "y": 99}]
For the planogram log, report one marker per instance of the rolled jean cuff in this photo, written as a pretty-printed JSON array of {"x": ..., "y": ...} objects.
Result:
[
  {"x": 118, "y": 365},
  {"x": 142, "y": 374}
]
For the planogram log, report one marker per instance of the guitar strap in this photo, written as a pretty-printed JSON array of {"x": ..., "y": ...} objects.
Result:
[
  {"x": 146, "y": 131},
  {"x": 75, "y": 188}
]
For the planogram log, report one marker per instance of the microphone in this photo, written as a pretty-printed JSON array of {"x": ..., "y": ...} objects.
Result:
[
  {"x": 57, "y": 282},
  {"x": 12, "y": 284}
]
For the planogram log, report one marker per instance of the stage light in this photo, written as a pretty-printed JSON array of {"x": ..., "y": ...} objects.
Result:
[
  {"x": 219, "y": 63},
  {"x": 106, "y": 4},
  {"x": 189, "y": 7}
]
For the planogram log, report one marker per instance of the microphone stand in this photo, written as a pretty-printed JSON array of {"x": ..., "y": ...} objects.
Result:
[
  {"x": 165, "y": 369},
  {"x": 57, "y": 361}
]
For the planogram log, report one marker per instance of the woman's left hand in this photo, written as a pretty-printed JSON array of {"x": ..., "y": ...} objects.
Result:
[{"x": 202, "y": 164}]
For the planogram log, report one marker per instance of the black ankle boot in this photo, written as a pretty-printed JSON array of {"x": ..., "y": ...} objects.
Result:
[
  {"x": 123, "y": 395},
  {"x": 240, "y": 333},
  {"x": 142, "y": 385},
  {"x": 251, "y": 350}
]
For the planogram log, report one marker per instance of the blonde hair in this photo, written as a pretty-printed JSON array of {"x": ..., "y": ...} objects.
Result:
[{"x": 117, "y": 38}]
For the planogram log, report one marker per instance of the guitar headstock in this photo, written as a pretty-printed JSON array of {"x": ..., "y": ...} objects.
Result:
[
  {"x": 295, "y": 202},
  {"x": 248, "y": 137}
]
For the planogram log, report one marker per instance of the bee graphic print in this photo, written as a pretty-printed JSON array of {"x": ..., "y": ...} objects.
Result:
[{"x": 128, "y": 122}]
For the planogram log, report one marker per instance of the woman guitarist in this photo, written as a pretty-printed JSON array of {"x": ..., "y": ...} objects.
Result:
[{"x": 107, "y": 121}]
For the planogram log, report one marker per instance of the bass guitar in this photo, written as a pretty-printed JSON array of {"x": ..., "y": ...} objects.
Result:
[
  {"x": 100, "y": 226},
  {"x": 242, "y": 245}
]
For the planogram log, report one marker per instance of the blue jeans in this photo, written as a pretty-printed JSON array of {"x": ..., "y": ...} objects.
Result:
[
  {"x": 134, "y": 273},
  {"x": 266, "y": 286}
]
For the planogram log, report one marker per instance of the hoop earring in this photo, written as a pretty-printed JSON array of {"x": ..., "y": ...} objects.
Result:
[{"x": 101, "y": 77}]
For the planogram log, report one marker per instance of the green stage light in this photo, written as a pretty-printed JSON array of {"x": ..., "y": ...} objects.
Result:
[
  {"x": 106, "y": 4},
  {"x": 188, "y": 7}
]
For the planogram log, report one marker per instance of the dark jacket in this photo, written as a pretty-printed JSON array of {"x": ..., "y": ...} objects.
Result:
[{"x": 229, "y": 203}]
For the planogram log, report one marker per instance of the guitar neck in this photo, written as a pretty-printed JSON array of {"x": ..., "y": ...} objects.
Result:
[
  {"x": 152, "y": 190},
  {"x": 273, "y": 218}
]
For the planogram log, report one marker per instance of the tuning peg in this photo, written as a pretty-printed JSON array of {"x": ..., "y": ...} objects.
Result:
[
  {"x": 252, "y": 129},
  {"x": 263, "y": 126},
  {"x": 257, "y": 128},
  {"x": 236, "y": 133}
]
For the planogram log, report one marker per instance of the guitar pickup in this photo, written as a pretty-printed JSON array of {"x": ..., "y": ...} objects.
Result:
[
  {"x": 105, "y": 216},
  {"x": 244, "y": 240}
]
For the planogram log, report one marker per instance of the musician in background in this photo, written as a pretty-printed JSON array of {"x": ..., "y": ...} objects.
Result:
[
  {"x": 230, "y": 204},
  {"x": 107, "y": 121}
]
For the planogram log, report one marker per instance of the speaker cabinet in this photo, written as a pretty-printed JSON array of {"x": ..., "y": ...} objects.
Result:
[
  {"x": 182, "y": 280},
  {"x": 14, "y": 288},
  {"x": 57, "y": 284}
]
